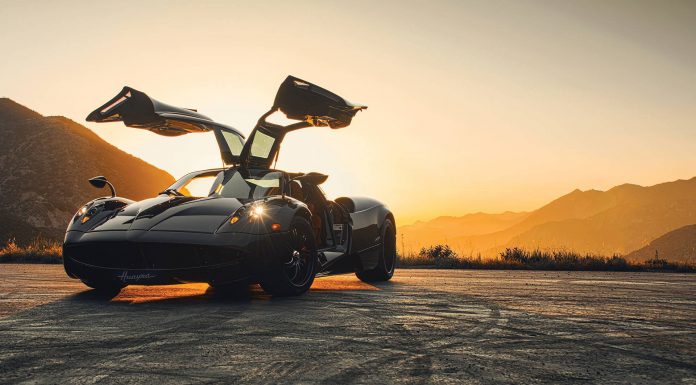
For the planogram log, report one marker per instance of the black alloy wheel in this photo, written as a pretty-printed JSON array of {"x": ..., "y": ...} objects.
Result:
[{"x": 297, "y": 266}]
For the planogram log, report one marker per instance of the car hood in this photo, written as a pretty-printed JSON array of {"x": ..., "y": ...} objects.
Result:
[{"x": 164, "y": 213}]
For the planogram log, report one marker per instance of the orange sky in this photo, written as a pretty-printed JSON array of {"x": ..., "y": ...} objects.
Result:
[{"x": 474, "y": 106}]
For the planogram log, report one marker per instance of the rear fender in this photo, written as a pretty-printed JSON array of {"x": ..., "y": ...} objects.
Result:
[{"x": 368, "y": 217}]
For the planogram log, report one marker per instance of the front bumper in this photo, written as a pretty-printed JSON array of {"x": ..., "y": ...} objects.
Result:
[{"x": 161, "y": 257}]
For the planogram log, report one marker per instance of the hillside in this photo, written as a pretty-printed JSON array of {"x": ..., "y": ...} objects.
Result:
[
  {"x": 46, "y": 162},
  {"x": 618, "y": 220},
  {"x": 637, "y": 216},
  {"x": 447, "y": 228},
  {"x": 677, "y": 245},
  {"x": 575, "y": 205}
]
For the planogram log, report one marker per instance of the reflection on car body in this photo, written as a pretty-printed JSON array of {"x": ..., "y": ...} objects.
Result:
[{"x": 242, "y": 223}]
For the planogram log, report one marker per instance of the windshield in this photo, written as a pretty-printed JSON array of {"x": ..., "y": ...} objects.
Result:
[
  {"x": 197, "y": 184},
  {"x": 230, "y": 184},
  {"x": 256, "y": 184}
]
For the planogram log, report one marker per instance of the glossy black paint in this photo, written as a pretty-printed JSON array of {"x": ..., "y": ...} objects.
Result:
[
  {"x": 368, "y": 216},
  {"x": 173, "y": 238},
  {"x": 301, "y": 100},
  {"x": 164, "y": 257},
  {"x": 136, "y": 109}
]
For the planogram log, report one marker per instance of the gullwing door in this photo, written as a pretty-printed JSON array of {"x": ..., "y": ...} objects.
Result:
[
  {"x": 138, "y": 110},
  {"x": 300, "y": 100}
]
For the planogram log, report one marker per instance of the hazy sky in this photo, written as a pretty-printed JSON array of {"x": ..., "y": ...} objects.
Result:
[{"x": 474, "y": 106}]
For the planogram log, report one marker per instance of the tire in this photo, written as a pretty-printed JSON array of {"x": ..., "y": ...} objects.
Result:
[
  {"x": 387, "y": 257},
  {"x": 292, "y": 273},
  {"x": 105, "y": 289}
]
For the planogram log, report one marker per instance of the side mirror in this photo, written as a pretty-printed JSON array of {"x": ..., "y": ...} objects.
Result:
[{"x": 100, "y": 182}]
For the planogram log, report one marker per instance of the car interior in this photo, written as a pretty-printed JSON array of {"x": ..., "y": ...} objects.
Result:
[{"x": 329, "y": 219}]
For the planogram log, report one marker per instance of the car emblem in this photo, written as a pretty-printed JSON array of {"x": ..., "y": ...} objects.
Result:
[{"x": 134, "y": 277}]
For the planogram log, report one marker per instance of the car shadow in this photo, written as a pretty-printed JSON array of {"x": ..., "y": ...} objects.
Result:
[{"x": 203, "y": 294}]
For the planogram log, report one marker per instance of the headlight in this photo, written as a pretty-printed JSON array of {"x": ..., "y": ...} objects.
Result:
[
  {"x": 88, "y": 211},
  {"x": 255, "y": 211},
  {"x": 82, "y": 211}
]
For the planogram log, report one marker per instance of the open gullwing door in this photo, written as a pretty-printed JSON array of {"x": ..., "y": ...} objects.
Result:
[
  {"x": 300, "y": 100},
  {"x": 138, "y": 110}
]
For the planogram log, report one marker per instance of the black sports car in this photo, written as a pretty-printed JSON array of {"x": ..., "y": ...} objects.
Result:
[{"x": 252, "y": 224}]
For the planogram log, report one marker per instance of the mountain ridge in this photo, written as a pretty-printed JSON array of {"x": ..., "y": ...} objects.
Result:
[
  {"x": 13, "y": 111},
  {"x": 47, "y": 161},
  {"x": 619, "y": 220}
]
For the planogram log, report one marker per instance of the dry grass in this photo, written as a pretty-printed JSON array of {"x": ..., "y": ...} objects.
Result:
[
  {"x": 37, "y": 251},
  {"x": 442, "y": 256}
]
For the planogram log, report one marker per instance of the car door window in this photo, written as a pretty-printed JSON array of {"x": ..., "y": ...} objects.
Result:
[{"x": 261, "y": 145}]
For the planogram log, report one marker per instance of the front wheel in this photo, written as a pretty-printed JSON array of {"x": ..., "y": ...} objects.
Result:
[
  {"x": 387, "y": 257},
  {"x": 293, "y": 273}
]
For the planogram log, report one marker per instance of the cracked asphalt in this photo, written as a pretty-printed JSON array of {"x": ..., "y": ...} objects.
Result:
[{"x": 426, "y": 326}]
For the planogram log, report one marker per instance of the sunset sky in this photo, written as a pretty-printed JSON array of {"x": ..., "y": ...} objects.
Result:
[{"x": 473, "y": 106}]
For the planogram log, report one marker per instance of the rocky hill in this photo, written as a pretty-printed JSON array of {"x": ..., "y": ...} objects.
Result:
[{"x": 45, "y": 164}]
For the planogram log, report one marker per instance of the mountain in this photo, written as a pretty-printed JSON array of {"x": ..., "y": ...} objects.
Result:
[
  {"x": 677, "y": 245},
  {"x": 575, "y": 205},
  {"x": 446, "y": 228},
  {"x": 636, "y": 216},
  {"x": 619, "y": 220},
  {"x": 46, "y": 162}
]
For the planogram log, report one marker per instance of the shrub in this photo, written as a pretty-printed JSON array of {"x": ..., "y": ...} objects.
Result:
[
  {"x": 442, "y": 256},
  {"x": 39, "y": 250}
]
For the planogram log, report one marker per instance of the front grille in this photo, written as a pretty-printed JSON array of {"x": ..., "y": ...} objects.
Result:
[{"x": 124, "y": 255}]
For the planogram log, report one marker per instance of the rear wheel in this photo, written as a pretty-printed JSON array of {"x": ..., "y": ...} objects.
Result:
[
  {"x": 293, "y": 273},
  {"x": 387, "y": 257}
]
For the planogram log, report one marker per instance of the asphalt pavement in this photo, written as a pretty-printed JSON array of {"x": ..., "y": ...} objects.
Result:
[{"x": 425, "y": 326}]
